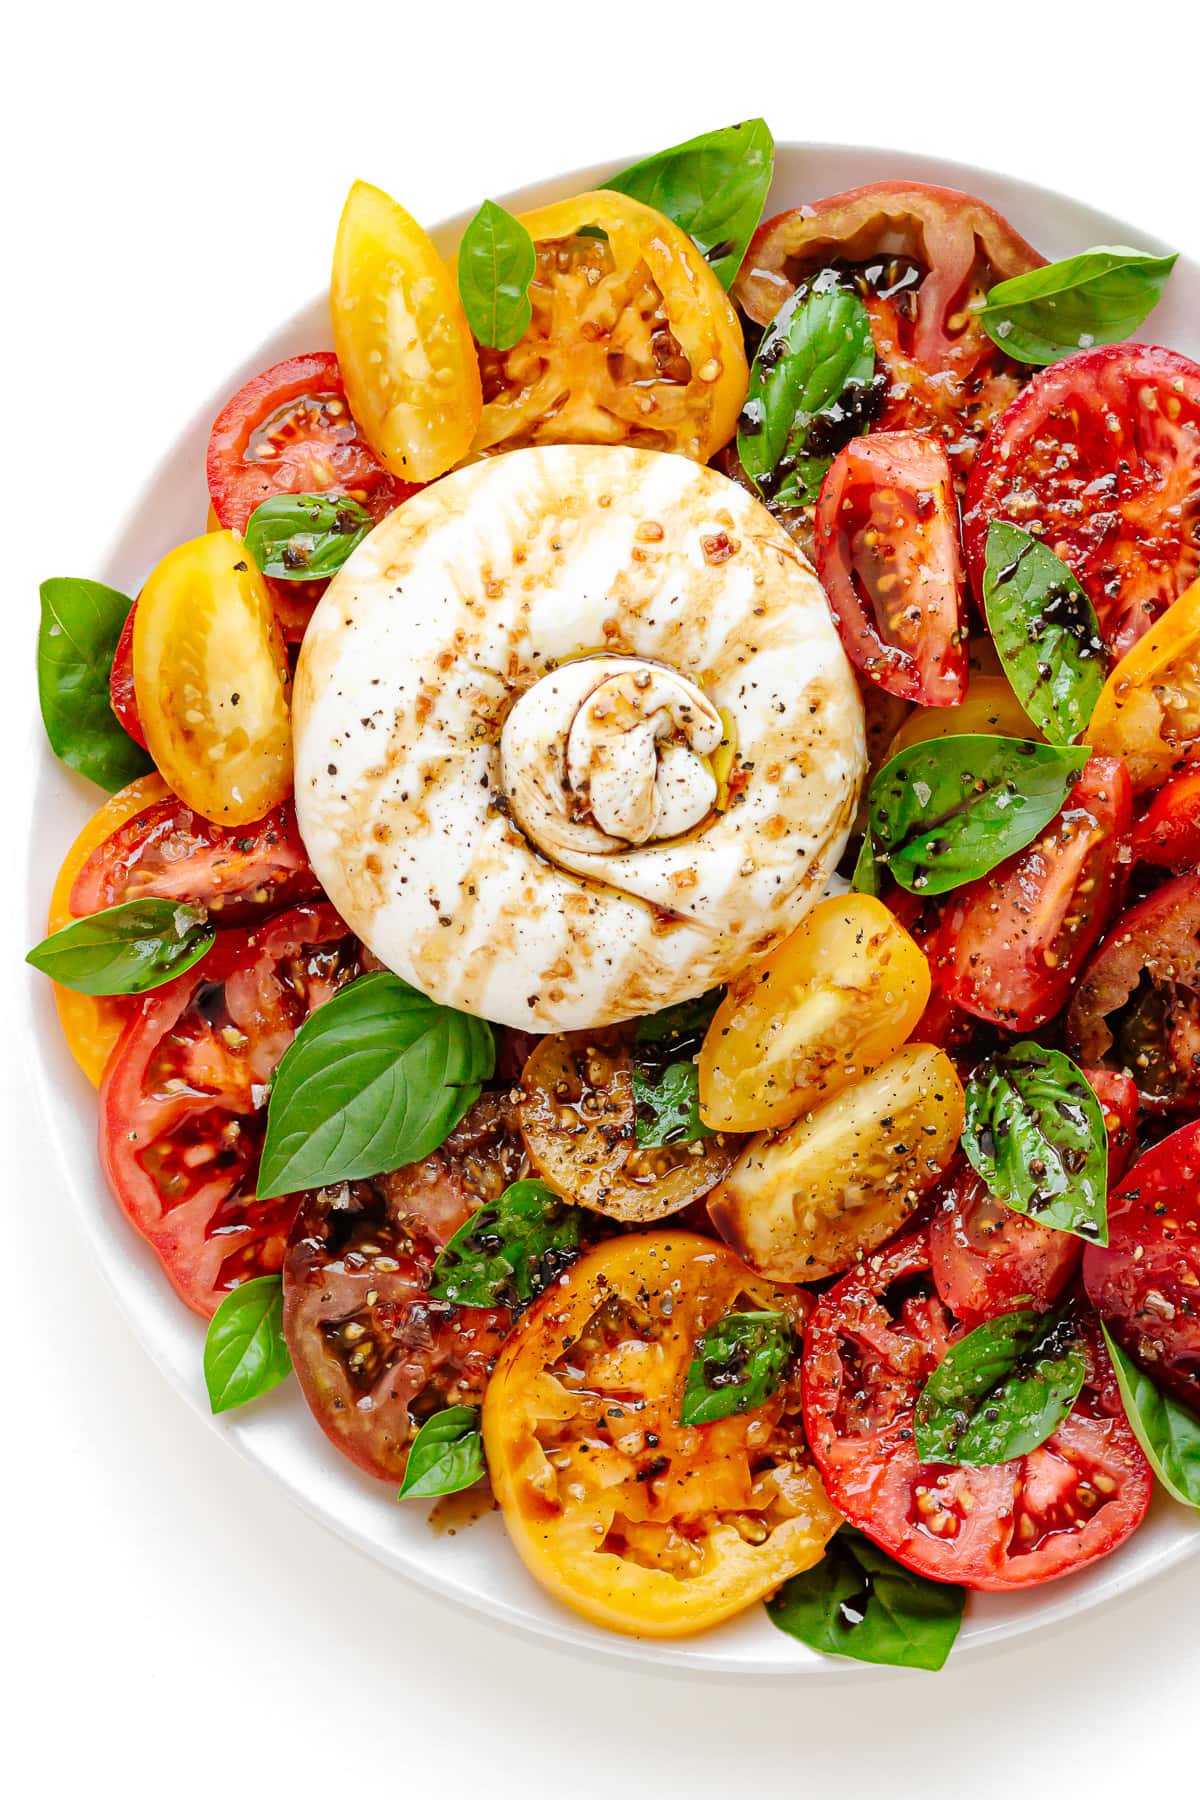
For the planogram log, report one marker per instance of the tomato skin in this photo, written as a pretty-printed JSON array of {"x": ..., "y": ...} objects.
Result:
[
  {"x": 1168, "y": 833},
  {"x": 888, "y": 556},
  {"x": 867, "y": 1354},
  {"x": 1149, "y": 708},
  {"x": 1099, "y": 456},
  {"x": 1146, "y": 1281},
  {"x": 122, "y": 696},
  {"x": 1009, "y": 946}
]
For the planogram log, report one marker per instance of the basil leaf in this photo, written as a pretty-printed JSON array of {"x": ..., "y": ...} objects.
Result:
[
  {"x": 373, "y": 1080},
  {"x": 865, "y": 879},
  {"x": 127, "y": 949},
  {"x": 739, "y": 1363},
  {"x": 1002, "y": 1390},
  {"x": 510, "y": 1249},
  {"x": 808, "y": 384},
  {"x": 1098, "y": 297},
  {"x": 445, "y": 1456},
  {"x": 666, "y": 1105},
  {"x": 714, "y": 187},
  {"x": 948, "y": 810},
  {"x": 245, "y": 1352},
  {"x": 496, "y": 261},
  {"x": 1045, "y": 630},
  {"x": 857, "y": 1602},
  {"x": 305, "y": 537},
  {"x": 81, "y": 622},
  {"x": 1035, "y": 1133},
  {"x": 1168, "y": 1431},
  {"x": 686, "y": 1020}
]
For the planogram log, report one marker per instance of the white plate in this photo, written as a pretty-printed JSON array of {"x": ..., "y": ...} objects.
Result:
[{"x": 477, "y": 1567}]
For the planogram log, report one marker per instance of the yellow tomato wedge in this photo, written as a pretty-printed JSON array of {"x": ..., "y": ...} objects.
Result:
[
  {"x": 402, "y": 339},
  {"x": 211, "y": 676},
  {"x": 93, "y": 1023},
  {"x": 639, "y": 1522},
  {"x": 836, "y": 999},
  {"x": 806, "y": 1202},
  {"x": 990, "y": 707},
  {"x": 1149, "y": 708}
]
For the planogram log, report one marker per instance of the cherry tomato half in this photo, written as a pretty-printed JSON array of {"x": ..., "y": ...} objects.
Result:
[
  {"x": 888, "y": 555},
  {"x": 1149, "y": 708},
  {"x": 122, "y": 696},
  {"x": 989, "y": 707},
  {"x": 1168, "y": 833},
  {"x": 871, "y": 1344}
]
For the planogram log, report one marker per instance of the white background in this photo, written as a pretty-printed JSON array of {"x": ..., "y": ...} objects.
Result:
[{"x": 172, "y": 176}]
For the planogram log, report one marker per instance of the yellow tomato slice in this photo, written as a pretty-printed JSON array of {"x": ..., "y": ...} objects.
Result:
[
  {"x": 402, "y": 339},
  {"x": 829, "y": 1005},
  {"x": 1149, "y": 708},
  {"x": 92, "y": 1024},
  {"x": 211, "y": 676},
  {"x": 990, "y": 706},
  {"x": 639, "y": 1522},
  {"x": 807, "y": 1202},
  {"x": 633, "y": 340}
]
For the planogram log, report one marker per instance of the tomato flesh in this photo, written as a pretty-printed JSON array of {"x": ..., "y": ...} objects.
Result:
[{"x": 122, "y": 695}]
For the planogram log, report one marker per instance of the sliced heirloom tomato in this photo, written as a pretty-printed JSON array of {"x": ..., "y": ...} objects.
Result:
[
  {"x": 837, "y": 998},
  {"x": 212, "y": 681},
  {"x": 871, "y": 1344},
  {"x": 1146, "y": 1282},
  {"x": 888, "y": 556},
  {"x": 1009, "y": 946},
  {"x": 376, "y": 1355},
  {"x": 1149, "y": 708},
  {"x": 1100, "y": 458},
  {"x": 92, "y": 1023},
  {"x": 633, "y": 339},
  {"x": 184, "y": 1098},
  {"x": 122, "y": 697},
  {"x": 1137, "y": 1005},
  {"x": 922, "y": 259},
  {"x": 988, "y": 1259},
  {"x": 402, "y": 339},
  {"x": 1168, "y": 833},
  {"x": 639, "y": 1522},
  {"x": 989, "y": 707},
  {"x": 577, "y": 1115},
  {"x": 803, "y": 1203}
]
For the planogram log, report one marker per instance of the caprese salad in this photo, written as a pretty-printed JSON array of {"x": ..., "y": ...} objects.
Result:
[{"x": 645, "y": 936}]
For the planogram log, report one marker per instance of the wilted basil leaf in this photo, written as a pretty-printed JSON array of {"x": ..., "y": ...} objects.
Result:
[
  {"x": 445, "y": 1456},
  {"x": 496, "y": 262},
  {"x": 1168, "y": 1431},
  {"x": 81, "y": 623},
  {"x": 245, "y": 1352},
  {"x": 126, "y": 949},
  {"x": 305, "y": 537},
  {"x": 1098, "y": 297},
  {"x": 1035, "y": 1134},
  {"x": 1002, "y": 1390},
  {"x": 510, "y": 1249},
  {"x": 865, "y": 879},
  {"x": 738, "y": 1364},
  {"x": 857, "y": 1602},
  {"x": 1045, "y": 630},
  {"x": 666, "y": 1085},
  {"x": 714, "y": 187}
]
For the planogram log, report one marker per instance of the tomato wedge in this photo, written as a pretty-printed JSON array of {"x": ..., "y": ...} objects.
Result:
[
  {"x": 871, "y": 1344},
  {"x": 122, "y": 697},
  {"x": 887, "y": 553},
  {"x": 183, "y": 1100},
  {"x": 1168, "y": 833},
  {"x": 1100, "y": 457},
  {"x": 1149, "y": 708},
  {"x": 1008, "y": 947}
]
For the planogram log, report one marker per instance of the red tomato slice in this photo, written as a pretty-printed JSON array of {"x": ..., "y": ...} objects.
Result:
[
  {"x": 1168, "y": 834},
  {"x": 1100, "y": 457},
  {"x": 1010, "y": 945},
  {"x": 183, "y": 1100},
  {"x": 1137, "y": 1004},
  {"x": 988, "y": 1259},
  {"x": 122, "y": 698},
  {"x": 168, "y": 850},
  {"x": 1146, "y": 1282},
  {"x": 871, "y": 1343},
  {"x": 887, "y": 553}
]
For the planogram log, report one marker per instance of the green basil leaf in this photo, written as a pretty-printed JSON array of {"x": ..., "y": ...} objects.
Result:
[
  {"x": 714, "y": 187},
  {"x": 127, "y": 949},
  {"x": 686, "y": 1021},
  {"x": 374, "y": 1079},
  {"x": 948, "y": 810},
  {"x": 808, "y": 383},
  {"x": 445, "y": 1456},
  {"x": 496, "y": 261},
  {"x": 1168, "y": 1431},
  {"x": 1045, "y": 630},
  {"x": 857, "y": 1602},
  {"x": 1035, "y": 1133},
  {"x": 666, "y": 1105},
  {"x": 1002, "y": 1390},
  {"x": 739, "y": 1363},
  {"x": 1098, "y": 297},
  {"x": 510, "y": 1249},
  {"x": 81, "y": 622},
  {"x": 305, "y": 537},
  {"x": 245, "y": 1352},
  {"x": 866, "y": 878}
]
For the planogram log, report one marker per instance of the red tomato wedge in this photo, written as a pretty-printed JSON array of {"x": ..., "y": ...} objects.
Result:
[
  {"x": 1008, "y": 947},
  {"x": 184, "y": 1095},
  {"x": 871, "y": 1344},
  {"x": 1168, "y": 833},
  {"x": 887, "y": 552},
  {"x": 1100, "y": 458},
  {"x": 121, "y": 693}
]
